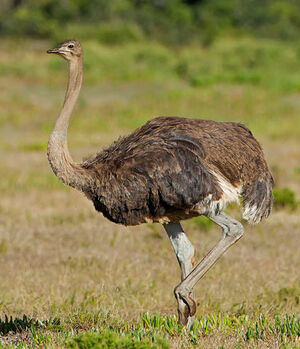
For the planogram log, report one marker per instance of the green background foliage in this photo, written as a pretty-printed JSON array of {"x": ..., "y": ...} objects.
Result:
[{"x": 171, "y": 21}]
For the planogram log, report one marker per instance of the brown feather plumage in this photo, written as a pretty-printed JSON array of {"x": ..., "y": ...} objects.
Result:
[{"x": 165, "y": 168}]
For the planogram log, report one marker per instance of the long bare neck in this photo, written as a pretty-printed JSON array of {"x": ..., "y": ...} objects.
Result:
[{"x": 59, "y": 157}]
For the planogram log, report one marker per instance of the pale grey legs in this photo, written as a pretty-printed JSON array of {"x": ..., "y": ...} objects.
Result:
[
  {"x": 185, "y": 254},
  {"x": 232, "y": 231},
  {"x": 182, "y": 246}
]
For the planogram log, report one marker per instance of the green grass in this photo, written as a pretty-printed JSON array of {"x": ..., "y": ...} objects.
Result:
[
  {"x": 243, "y": 61},
  {"x": 157, "y": 331}
]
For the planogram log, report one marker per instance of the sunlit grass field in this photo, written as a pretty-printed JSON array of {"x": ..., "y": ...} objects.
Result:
[{"x": 83, "y": 282}]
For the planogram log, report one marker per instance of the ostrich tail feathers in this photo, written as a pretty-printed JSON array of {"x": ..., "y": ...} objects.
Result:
[{"x": 258, "y": 199}]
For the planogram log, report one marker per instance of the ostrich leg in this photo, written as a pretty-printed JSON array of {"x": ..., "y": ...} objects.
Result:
[
  {"x": 232, "y": 231},
  {"x": 185, "y": 255}
]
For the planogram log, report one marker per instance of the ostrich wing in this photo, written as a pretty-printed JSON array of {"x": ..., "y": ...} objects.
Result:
[
  {"x": 169, "y": 165},
  {"x": 157, "y": 169}
]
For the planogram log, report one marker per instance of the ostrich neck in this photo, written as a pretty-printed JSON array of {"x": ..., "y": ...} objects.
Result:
[{"x": 59, "y": 157}]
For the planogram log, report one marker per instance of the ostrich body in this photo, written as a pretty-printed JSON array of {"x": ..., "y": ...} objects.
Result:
[{"x": 168, "y": 170}]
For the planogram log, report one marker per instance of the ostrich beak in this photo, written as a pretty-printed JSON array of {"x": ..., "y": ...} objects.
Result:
[{"x": 53, "y": 50}]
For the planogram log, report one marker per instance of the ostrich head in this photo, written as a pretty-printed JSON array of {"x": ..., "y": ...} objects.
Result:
[{"x": 69, "y": 50}]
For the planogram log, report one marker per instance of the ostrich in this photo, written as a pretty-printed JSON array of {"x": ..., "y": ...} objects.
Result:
[{"x": 168, "y": 170}]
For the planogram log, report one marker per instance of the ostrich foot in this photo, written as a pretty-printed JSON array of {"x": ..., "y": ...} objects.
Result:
[{"x": 186, "y": 306}]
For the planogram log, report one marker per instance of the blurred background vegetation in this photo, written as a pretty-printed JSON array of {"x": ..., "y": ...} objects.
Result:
[{"x": 171, "y": 21}]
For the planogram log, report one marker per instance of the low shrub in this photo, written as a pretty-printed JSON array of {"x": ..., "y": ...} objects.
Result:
[
  {"x": 284, "y": 197},
  {"x": 108, "y": 339}
]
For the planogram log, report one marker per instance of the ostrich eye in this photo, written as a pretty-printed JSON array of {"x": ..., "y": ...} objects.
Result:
[{"x": 71, "y": 46}]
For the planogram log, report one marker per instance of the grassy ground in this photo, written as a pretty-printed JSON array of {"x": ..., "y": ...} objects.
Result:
[{"x": 82, "y": 281}]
